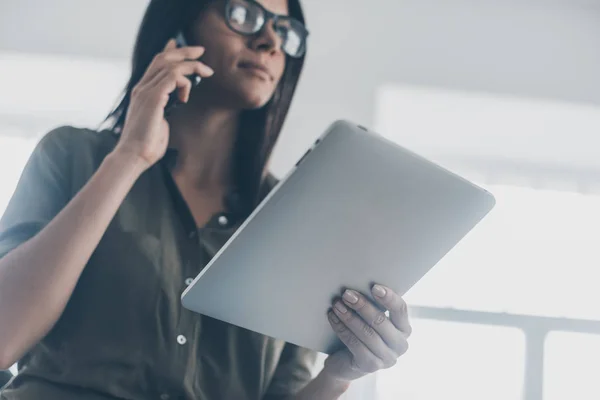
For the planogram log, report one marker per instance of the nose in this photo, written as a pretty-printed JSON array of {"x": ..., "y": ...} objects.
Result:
[{"x": 267, "y": 39}]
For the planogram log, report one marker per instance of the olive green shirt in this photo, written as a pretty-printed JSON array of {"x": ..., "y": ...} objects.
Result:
[{"x": 124, "y": 333}]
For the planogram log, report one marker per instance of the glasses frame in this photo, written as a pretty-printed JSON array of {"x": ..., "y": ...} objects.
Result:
[{"x": 269, "y": 16}]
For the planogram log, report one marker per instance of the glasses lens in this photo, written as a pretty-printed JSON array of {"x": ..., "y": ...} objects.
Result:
[
  {"x": 245, "y": 17},
  {"x": 293, "y": 36},
  {"x": 248, "y": 18}
]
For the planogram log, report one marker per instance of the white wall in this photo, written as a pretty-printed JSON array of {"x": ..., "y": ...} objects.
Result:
[
  {"x": 104, "y": 29},
  {"x": 532, "y": 48}
]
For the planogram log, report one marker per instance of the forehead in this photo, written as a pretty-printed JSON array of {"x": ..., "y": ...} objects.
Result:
[{"x": 275, "y": 6}]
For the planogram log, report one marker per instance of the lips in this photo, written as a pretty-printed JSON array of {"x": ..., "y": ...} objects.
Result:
[{"x": 257, "y": 68}]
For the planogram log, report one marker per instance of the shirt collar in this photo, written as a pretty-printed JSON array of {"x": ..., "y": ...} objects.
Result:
[{"x": 233, "y": 200}]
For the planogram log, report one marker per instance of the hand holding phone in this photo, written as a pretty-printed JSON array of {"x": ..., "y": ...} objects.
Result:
[
  {"x": 194, "y": 78},
  {"x": 169, "y": 78}
]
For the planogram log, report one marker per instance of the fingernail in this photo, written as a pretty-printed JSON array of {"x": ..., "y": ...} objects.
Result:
[
  {"x": 379, "y": 291},
  {"x": 340, "y": 307},
  {"x": 333, "y": 317},
  {"x": 210, "y": 71},
  {"x": 350, "y": 296}
]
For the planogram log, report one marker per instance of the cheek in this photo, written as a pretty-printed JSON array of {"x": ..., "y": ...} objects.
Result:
[
  {"x": 222, "y": 45},
  {"x": 221, "y": 55},
  {"x": 278, "y": 68}
]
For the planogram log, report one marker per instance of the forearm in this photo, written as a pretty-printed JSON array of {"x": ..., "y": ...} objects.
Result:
[
  {"x": 323, "y": 388},
  {"x": 38, "y": 278}
]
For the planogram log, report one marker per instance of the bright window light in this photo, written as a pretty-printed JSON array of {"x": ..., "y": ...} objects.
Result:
[
  {"x": 438, "y": 122},
  {"x": 533, "y": 260},
  {"x": 14, "y": 152},
  {"x": 457, "y": 361},
  {"x": 536, "y": 253},
  {"x": 571, "y": 366},
  {"x": 62, "y": 90}
]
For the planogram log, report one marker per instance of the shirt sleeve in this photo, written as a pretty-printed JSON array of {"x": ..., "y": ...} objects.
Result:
[
  {"x": 294, "y": 371},
  {"x": 42, "y": 191}
]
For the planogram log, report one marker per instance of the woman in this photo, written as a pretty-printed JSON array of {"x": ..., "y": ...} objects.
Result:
[{"x": 101, "y": 236}]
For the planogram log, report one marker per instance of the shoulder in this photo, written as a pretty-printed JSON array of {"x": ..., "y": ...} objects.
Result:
[
  {"x": 76, "y": 153},
  {"x": 73, "y": 141},
  {"x": 269, "y": 182}
]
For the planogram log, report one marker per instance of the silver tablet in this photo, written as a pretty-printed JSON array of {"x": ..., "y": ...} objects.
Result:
[{"x": 357, "y": 209}]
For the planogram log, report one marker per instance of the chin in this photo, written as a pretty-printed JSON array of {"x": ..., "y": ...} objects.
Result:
[
  {"x": 254, "y": 98},
  {"x": 256, "y": 102}
]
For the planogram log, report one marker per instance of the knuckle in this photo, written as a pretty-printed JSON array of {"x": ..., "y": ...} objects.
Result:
[
  {"x": 408, "y": 331},
  {"x": 136, "y": 90},
  {"x": 401, "y": 304},
  {"x": 173, "y": 74},
  {"x": 155, "y": 95},
  {"x": 360, "y": 304},
  {"x": 340, "y": 329},
  {"x": 352, "y": 340},
  {"x": 348, "y": 317},
  {"x": 379, "y": 319},
  {"x": 159, "y": 58},
  {"x": 180, "y": 68},
  {"x": 368, "y": 331},
  {"x": 354, "y": 365}
]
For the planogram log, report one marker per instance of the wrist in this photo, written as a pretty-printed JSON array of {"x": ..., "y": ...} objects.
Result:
[
  {"x": 129, "y": 161},
  {"x": 125, "y": 167}
]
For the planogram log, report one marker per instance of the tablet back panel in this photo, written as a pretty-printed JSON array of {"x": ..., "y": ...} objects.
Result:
[{"x": 358, "y": 209}]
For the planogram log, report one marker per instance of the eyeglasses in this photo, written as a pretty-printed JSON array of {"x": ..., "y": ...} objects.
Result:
[{"x": 247, "y": 17}]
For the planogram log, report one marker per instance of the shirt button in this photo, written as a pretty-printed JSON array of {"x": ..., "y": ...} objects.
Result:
[
  {"x": 181, "y": 340},
  {"x": 223, "y": 221},
  {"x": 192, "y": 234},
  {"x": 189, "y": 281}
]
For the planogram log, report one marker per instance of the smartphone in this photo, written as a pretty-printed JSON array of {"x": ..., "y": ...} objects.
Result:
[{"x": 195, "y": 79}]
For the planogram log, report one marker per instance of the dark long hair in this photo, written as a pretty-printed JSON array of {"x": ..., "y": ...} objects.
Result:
[{"x": 260, "y": 128}]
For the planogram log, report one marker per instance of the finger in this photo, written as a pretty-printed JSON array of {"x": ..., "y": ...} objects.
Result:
[
  {"x": 171, "y": 44},
  {"x": 158, "y": 61},
  {"x": 182, "y": 53},
  {"x": 195, "y": 67},
  {"x": 395, "y": 305},
  {"x": 168, "y": 78},
  {"x": 363, "y": 359},
  {"x": 167, "y": 84},
  {"x": 366, "y": 334},
  {"x": 170, "y": 55},
  {"x": 184, "y": 68},
  {"x": 377, "y": 320}
]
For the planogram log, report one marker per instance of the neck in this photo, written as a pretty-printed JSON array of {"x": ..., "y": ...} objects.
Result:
[{"x": 204, "y": 138}]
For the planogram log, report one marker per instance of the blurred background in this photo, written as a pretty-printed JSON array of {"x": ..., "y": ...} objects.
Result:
[{"x": 504, "y": 92}]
